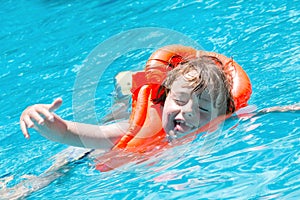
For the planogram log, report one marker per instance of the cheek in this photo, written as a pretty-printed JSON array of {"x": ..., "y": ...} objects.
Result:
[
  {"x": 165, "y": 122},
  {"x": 207, "y": 117},
  {"x": 164, "y": 116},
  {"x": 168, "y": 112}
]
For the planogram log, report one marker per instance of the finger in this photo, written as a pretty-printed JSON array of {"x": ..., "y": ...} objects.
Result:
[
  {"x": 46, "y": 113},
  {"x": 55, "y": 104},
  {"x": 24, "y": 129},
  {"x": 29, "y": 123},
  {"x": 37, "y": 117},
  {"x": 296, "y": 107}
]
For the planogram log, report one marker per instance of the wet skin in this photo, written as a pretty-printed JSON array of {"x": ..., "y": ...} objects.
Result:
[{"x": 184, "y": 110}]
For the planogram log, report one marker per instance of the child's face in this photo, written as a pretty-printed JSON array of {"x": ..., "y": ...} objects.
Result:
[{"x": 184, "y": 111}]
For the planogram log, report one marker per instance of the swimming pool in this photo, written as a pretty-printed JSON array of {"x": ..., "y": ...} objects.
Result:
[{"x": 43, "y": 46}]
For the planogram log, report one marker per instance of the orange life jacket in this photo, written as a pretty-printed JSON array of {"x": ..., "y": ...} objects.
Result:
[{"x": 145, "y": 130}]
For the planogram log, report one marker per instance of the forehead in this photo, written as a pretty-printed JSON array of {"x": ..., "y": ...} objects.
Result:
[
  {"x": 211, "y": 93},
  {"x": 182, "y": 86}
]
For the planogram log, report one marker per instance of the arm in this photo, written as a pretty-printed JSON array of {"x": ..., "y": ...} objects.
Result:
[
  {"x": 251, "y": 110},
  {"x": 51, "y": 126},
  {"x": 288, "y": 108}
]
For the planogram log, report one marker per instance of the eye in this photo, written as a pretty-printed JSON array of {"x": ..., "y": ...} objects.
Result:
[
  {"x": 203, "y": 109},
  {"x": 179, "y": 102}
]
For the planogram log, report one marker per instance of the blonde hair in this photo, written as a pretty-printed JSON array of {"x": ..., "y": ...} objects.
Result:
[{"x": 210, "y": 77}]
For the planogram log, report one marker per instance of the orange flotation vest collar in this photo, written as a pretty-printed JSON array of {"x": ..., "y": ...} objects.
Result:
[{"x": 145, "y": 130}]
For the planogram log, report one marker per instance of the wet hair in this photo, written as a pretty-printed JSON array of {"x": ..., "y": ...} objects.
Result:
[{"x": 210, "y": 77}]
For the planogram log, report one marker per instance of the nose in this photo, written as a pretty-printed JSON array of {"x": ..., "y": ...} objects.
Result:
[{"x": 188, "y": 110}]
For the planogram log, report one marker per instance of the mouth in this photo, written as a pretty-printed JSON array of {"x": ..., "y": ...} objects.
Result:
[
  {"x": 180, "y": 126},
  {"x": 180, "y": 129}
]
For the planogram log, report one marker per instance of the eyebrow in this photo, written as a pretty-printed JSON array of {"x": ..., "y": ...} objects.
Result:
[{"x": 179, "y": 93}]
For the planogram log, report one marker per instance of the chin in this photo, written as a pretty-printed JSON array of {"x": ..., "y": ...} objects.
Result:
[{"x": 171, "y": 135}]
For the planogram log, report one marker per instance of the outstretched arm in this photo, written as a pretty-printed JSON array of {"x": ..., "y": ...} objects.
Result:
[
  {"x": 251, "y": 110},
  {"x": 41, "y": 118},
  {"x": 288, "y": 108}
]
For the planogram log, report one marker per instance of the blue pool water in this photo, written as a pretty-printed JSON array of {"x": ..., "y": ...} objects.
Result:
[{"x": 44, "y": 44}]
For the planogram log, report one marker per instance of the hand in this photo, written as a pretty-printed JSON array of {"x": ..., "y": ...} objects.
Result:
[{"x": 38, "y": 113}]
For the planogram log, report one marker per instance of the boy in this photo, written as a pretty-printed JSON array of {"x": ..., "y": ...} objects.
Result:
[{"x": 196, "y": 93}]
